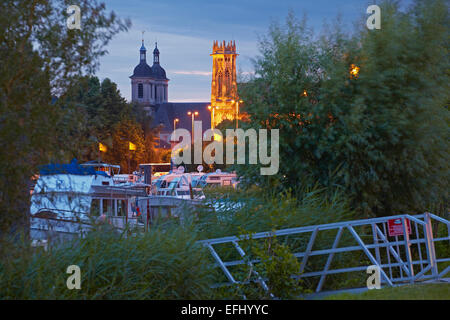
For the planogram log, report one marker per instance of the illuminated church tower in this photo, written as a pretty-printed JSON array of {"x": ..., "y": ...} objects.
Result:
[{"x": 224, "y": 87}]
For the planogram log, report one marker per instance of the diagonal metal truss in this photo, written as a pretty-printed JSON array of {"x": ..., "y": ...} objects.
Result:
[{"x": 393, "y": 255}]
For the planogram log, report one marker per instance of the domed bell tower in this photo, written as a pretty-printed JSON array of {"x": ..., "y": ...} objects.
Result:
[{"x": 149, "y": 85}]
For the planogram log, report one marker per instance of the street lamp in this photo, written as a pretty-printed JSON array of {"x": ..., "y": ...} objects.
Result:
[
  {"x": 237, "y": 111},
  {"x": 212, "y": 108},
  {"x": 193, "y": 114},
  {"x": 131, "y": 147},
  {"x": 174, "y": 128},
  {"x": 354, "y": 70}
]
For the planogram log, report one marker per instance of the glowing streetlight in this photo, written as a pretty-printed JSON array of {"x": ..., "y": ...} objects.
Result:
[
  {"x": 102, "y": 147},
  {"x": 237, "y": 111},
  {"x": 354, "y": 70},
  {"x": 212, "y": 108},
  {"x": 175, "y": 123},
  {"x": 193, "y": 114}
]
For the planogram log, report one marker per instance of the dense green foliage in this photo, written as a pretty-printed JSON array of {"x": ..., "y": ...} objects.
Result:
[
  {"x": 96, "y": 113},
  {"x": 165, "y": 263},
  {"x": 376, "y": 142},
  {"x": 41, "y": 58},
  {"x": 381, "y": 135}
]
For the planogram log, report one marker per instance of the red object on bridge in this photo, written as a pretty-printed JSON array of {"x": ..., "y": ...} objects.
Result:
[{"x": 395, "y": 227}]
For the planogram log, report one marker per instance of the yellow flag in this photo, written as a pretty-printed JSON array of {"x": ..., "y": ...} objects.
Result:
[
  {"x": 132, "y": 146},
  {"x": 102, "y": 147}
]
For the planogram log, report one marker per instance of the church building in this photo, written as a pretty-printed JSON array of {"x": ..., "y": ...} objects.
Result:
[{"x": 150, "y": 87}]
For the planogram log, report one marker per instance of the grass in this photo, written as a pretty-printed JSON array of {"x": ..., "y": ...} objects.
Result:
[
  {"x": 165, "y": 263},
  {"x": 435, "y": 291}
]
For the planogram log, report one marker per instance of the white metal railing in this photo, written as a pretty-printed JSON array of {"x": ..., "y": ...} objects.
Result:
[{"x": 391, "y": 254}]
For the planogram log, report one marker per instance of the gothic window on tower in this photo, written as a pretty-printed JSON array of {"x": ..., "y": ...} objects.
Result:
[
  {"x": 227, "y": 82},
  {"x": 219, "y": 84},
  {"x": 156, "y": 92},
  {"x": 140, "y": 90}
]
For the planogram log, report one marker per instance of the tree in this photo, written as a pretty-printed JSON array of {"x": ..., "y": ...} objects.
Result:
[
  {"x": 124, "y": 132},
  {"x": 97, "y": 108},
  {"x": 104, "y": 116},
  {"x": 143, "y": 117},
  {"x": 43, "y": 59},
  {"x": 380, "y": 133}
]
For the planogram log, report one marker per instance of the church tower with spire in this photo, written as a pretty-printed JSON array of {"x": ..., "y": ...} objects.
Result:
[
  {"x": 149, "y": 85},
  {"x": 224, "y": 86}
]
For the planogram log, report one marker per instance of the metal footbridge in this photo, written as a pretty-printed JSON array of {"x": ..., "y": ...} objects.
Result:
[{"x": 404, "y": 256}]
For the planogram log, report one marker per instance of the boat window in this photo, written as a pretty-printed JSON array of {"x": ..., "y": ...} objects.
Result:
[
  {"x": 121, "y": 208},
  {"x": 46, "y": 215},
  {"x": 107, "y": 207},
  {"x": 95, "y": 208}
]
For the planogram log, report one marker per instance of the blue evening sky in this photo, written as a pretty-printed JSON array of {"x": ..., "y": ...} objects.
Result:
[{"x": 185, "y": 30}]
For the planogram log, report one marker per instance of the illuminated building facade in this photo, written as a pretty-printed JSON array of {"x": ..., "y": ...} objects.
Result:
[
  {"x": 149, "y": 87},
  {"x": 224, "y": 95}
]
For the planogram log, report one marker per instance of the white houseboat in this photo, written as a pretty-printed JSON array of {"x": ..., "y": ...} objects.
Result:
[{"x": 68, "y": 199}]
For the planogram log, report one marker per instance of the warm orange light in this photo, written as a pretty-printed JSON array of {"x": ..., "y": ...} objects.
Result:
[
  {"x": 189, "y": 113},
  {"x": 241, "y": 101},
  {"x": 354, "y": 70},
  {"x": 176, "y": 120},
  {"x": 102, "y": 147},
  {"x": 131, "y": 146},
  {"x": 217, "y": 137},
  {"x": 209, "y": 107},
  {"x": 305, "y": 94},
  {"x": 196, "y": 113}
]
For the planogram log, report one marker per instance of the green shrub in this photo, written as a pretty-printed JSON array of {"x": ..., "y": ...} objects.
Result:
[
  {"x": 165, "y": 263},
  {"x": 382, "y": 135}
]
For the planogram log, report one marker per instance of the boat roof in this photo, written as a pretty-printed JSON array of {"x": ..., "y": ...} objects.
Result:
[
  {"x": 96, "y": 163},
  {"x": 72, "y": 168}
]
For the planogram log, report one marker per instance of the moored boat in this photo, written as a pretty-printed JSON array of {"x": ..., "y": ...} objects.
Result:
[{"x": 69, "y": 199}]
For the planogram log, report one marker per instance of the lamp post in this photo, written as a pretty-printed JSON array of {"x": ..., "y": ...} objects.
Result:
[
  {"x": 131, "y": 147},
  {"x": 212, "y": 108},
  {"x": 101, "y": 148},
  {"x": 193, "y": 114},
  {"x": 237, "y": 111},
  {"x": 174, "y": 128}
]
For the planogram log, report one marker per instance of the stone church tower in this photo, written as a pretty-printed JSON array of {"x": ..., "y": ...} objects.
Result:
[
  {"x": 149, "y": 85},
  {"x": 224, "y": 87}
]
